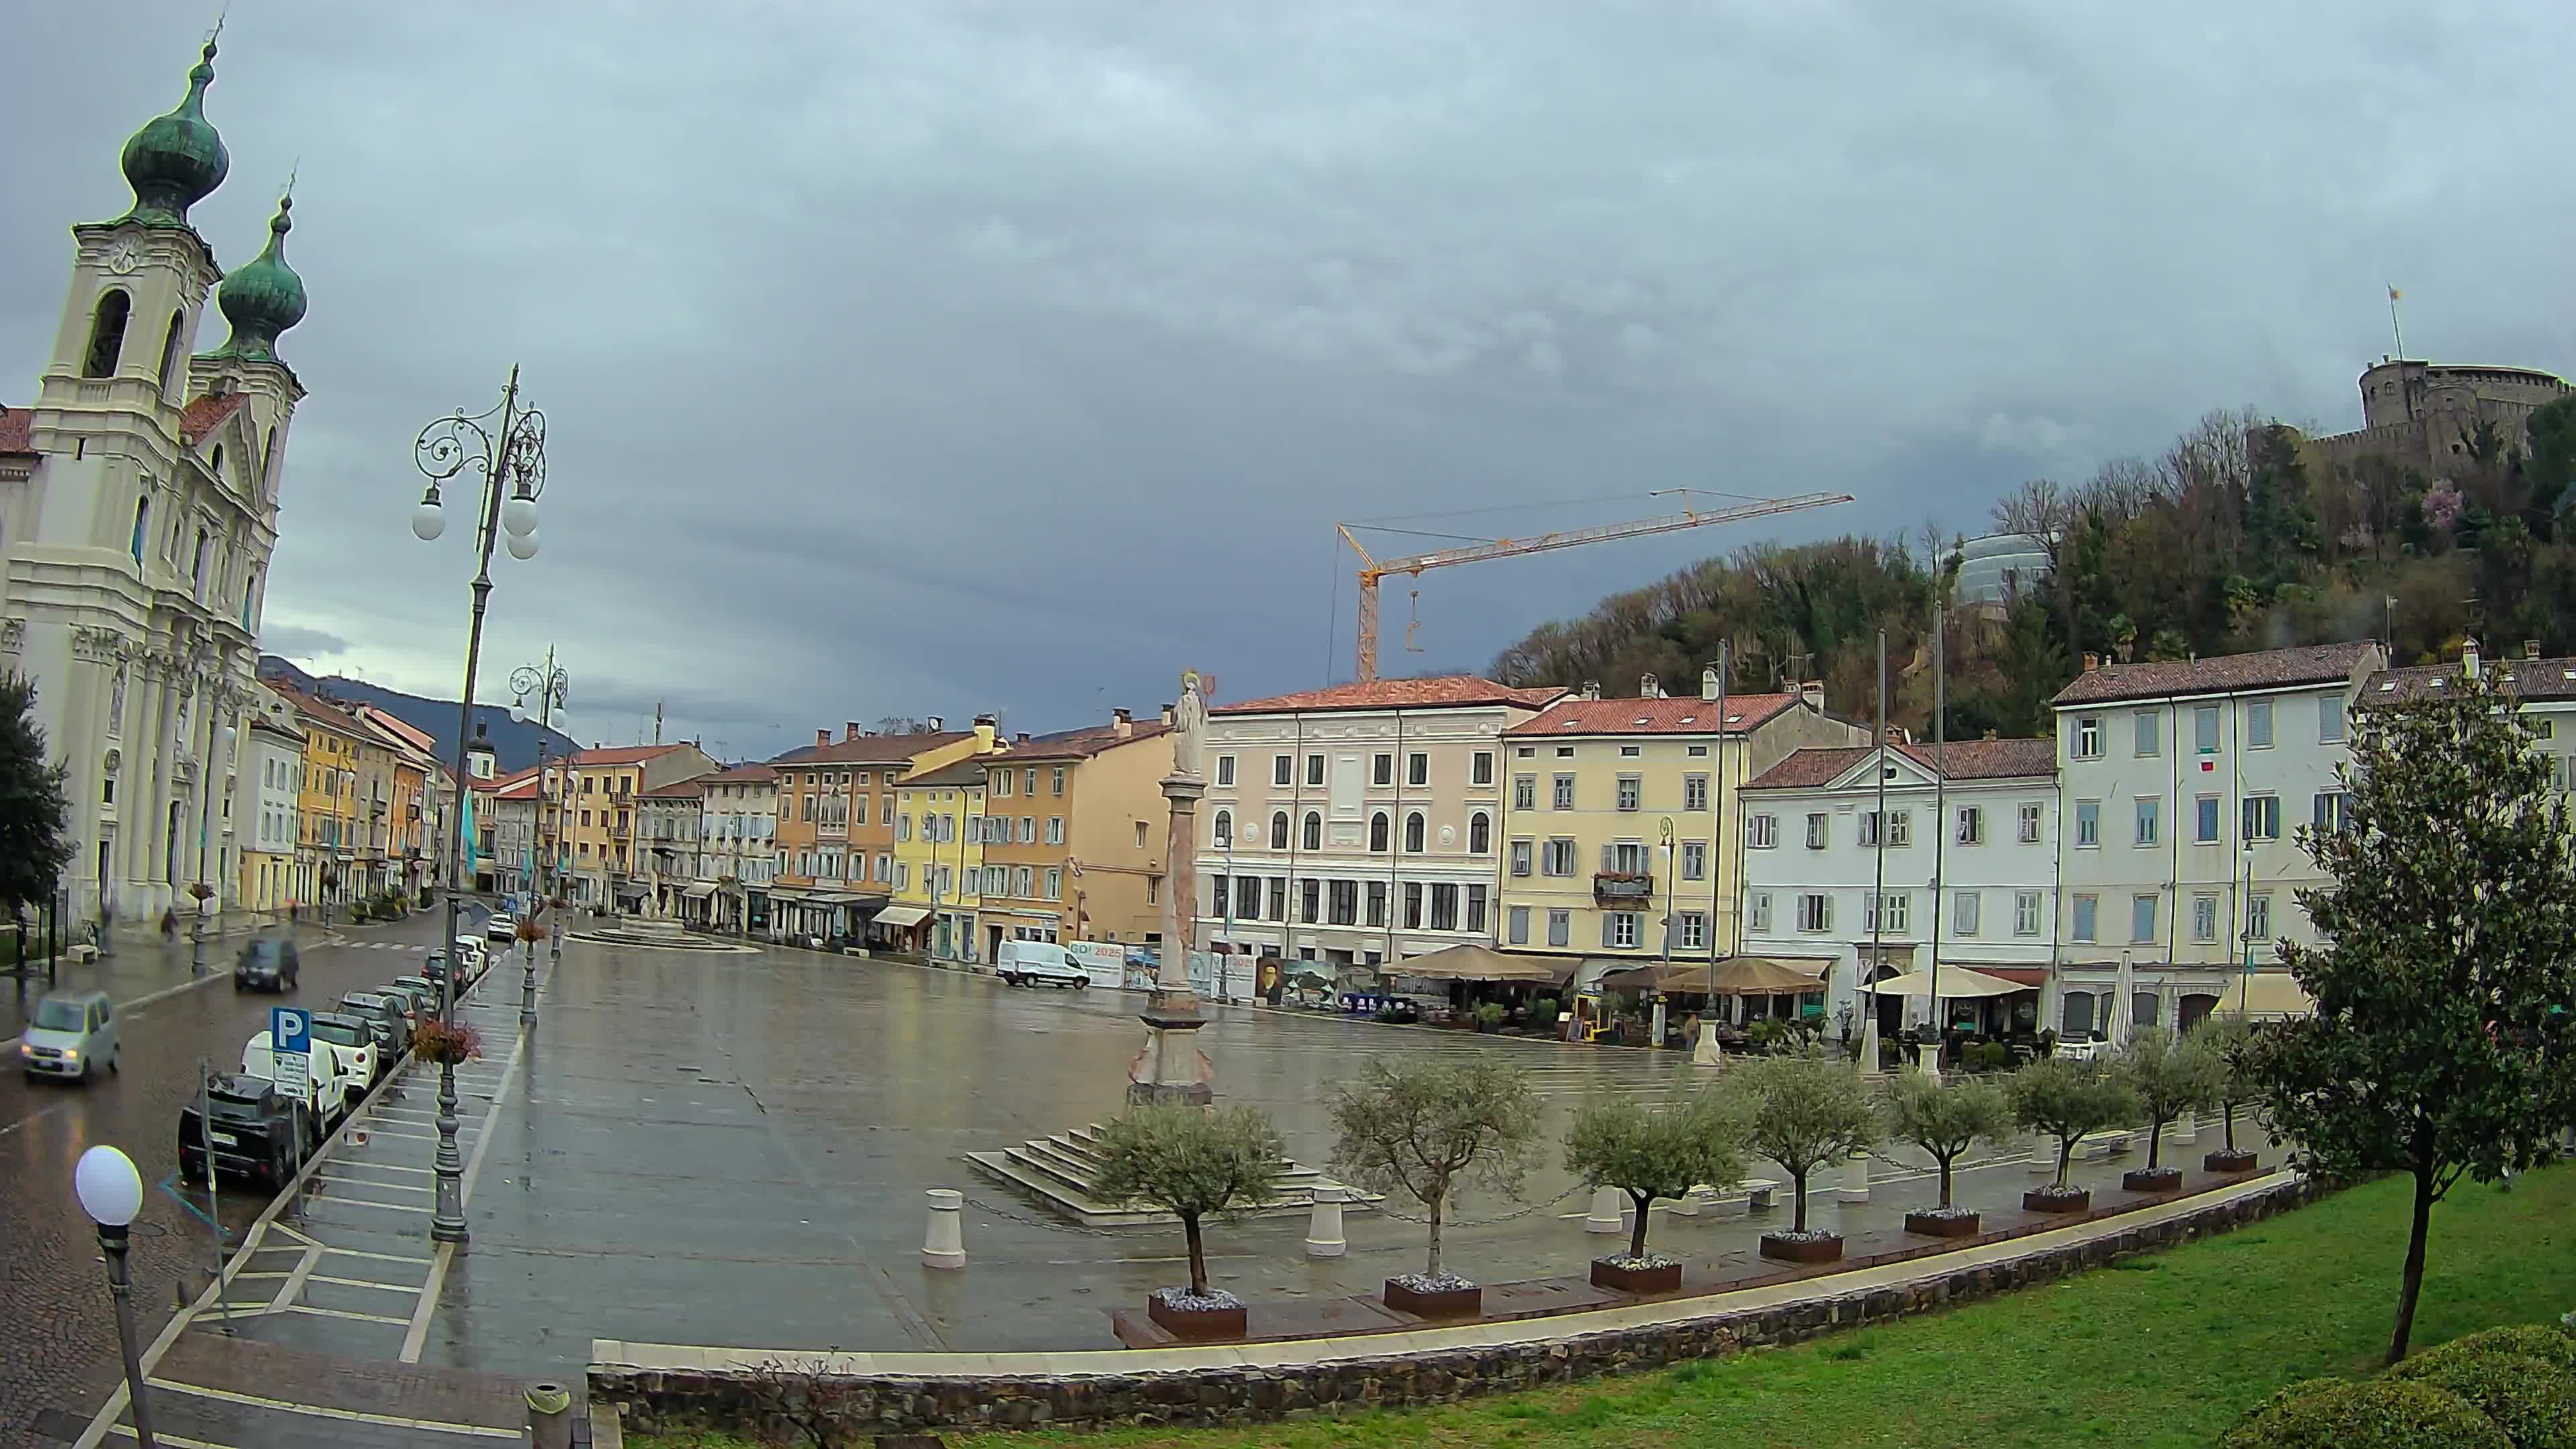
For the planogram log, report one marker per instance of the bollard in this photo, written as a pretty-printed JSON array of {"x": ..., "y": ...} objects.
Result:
[
  {"x": 1324, "y": 1225},
  {"x": 1609, "y": 1211},
  {"x": 549, "y": 1416},
  {"x": 2186, "y": 1129},
  {"x": 944, "y": 1245},
  {"x": 1856, "y": 1178},
  {"x": 2043, "y": 1155},
  {"x": 1687, "y": 1205}
]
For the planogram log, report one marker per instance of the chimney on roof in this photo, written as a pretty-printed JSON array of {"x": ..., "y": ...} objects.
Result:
[
  {"x": 935, "y": 725},
  {"x": 1990, "y": 734},
  {"x": 2469, "y": 658},
  {"x": 1122, "y": 723},
  {"x": 2092, "y": 661},
  {"x": 1708, "y": 685},
  {"x": 1592, "y": 689},
  {"x": 1649, "y": 687},
  {"x": 849, "y": 730},
  {"x": 1167, "y": 716},
  {"x": 2530, "y": 648},
  {"x": 1813, "y": 692},
  {"x": 822, "y": 737},
  {"x": 1021, "y": 738}
]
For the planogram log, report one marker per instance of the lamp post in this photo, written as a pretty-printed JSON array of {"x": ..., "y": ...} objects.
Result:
[
  {"x": 552, "y": 687},
  {"x": 111, "y": 1192},
  {"x": 507, "y": 446},
  {"x": 1664, "y": 854}
]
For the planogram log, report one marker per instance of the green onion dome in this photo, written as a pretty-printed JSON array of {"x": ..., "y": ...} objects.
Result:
[{"x": 177, "y": 160}]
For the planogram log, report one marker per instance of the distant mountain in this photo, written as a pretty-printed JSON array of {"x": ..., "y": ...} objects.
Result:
[{"x": 514, "y": 743}]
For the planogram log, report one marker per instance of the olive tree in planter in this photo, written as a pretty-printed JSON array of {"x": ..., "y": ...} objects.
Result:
[
  {"x": 1194, "y": 1163},
  {"x": 1945, "y": 1121},
  {"x": 1804, "y": 1111},
  {"x": 1426, "y": 1129},
  {"x": 2068, "y": 1100},
  {"x": 2169, "y": 1075},
  {"x": 2230, "y": 1038},
  {"x": 1650, "y": 1152}
]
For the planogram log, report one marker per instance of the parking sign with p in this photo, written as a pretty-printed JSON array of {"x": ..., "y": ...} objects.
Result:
[{"x": 290, "y": 1037}]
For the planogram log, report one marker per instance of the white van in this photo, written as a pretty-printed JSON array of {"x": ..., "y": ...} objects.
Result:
[
  {"x": 328, "y": 1088},
  {"x": 1039, "y": 963}
]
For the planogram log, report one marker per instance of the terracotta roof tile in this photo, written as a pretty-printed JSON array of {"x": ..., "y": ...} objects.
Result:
[
  {"x": 623, "y": 754},
  {"x": 1447, "y": 691},
  {"x": 1081, "y": 744},
  {"x": 320, "y": 708},
  {"x": 871, "y": 749},
  {"x": 968, "y": 772},
  {"x": 690, "y": 789},
  {"x": 17, "y": 431},
  {"x": 1960, "y": 760},
  {"x": 1691, "y": 716},
  {"x": 744, "y": 775},
  {"x": 2219, "y": 674},
  {"x": 204, "y": 414},
  {"x": 2540, "y": 679}
]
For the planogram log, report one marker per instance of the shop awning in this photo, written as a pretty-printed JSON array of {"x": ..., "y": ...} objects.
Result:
[
  {"x": 903, "y": 915},
  {"x": 2032, "y": 977},
  {"x": 1957, "y": 983},
  {"x": 700, "y": 891},
  {"x": 1483, "y": 963},
  {"x": 1734, "y": 976},
  {"x": 2268, "y": 993}
]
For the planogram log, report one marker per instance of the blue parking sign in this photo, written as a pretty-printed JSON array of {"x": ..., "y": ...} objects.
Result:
[{"x": 290, "y": 1029}]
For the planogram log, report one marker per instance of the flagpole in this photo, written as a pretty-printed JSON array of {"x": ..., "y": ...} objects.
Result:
[{"x": 2394, "y": 329}]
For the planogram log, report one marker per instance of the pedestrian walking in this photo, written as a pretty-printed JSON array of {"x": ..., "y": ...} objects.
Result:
[{"x": 169, "y": 924}]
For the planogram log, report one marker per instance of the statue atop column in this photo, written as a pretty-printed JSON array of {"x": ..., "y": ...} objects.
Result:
[{"x": 1189, "y": 728}]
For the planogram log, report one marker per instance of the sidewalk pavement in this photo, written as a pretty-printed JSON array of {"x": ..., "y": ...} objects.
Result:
[{"x": 146, "y": 966}]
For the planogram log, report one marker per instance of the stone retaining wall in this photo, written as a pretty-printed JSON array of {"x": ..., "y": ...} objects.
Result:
[{"x": 668, "y": 1400}]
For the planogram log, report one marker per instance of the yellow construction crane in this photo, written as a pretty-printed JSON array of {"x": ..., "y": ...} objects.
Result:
[{"x": 1371, "y": 569}]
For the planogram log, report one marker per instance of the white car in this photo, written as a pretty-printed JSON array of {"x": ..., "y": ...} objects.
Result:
[
  {"x": 1039, "y": 963},
  {"x": 328, "y": 1086},
  {"x": 469, "y": 954},
  {"x": 502, "y": 927}
]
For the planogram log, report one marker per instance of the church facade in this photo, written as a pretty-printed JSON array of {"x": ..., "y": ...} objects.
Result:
[{"x": 139, "y": 502}]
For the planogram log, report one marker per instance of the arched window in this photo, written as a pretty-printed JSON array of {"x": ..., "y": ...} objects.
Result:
[
  {"x": 197, "y": 566},
  {"x": 107, "y": 333},
  {"x": 1480, "y": 833},
  {"x": 250, "y": 597},
  {"x": 142, "y": 516},
  {"x": 170, "y": 348},
  {"x": 218, "y": 468},
  {"x": 1413, "y": 833},
  {"x": 268, "y": 463},
  {"x": 1278, "y": 830},
  {"x": 1378, "y": 831},
  {"x": 1224, "y": 829},
  {"x": 1312, "y": 838}
]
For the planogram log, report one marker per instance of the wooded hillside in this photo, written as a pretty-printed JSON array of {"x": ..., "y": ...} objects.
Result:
[{"x": 2239, "y": 536}]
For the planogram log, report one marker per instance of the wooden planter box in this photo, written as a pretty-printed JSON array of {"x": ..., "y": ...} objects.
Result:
[
  {"x": 1464, "y": 1302},
  {"x": 2037, "y": 1201},
  {"x": 2224, "y": 1160},
  {"x": 1664, "y": 1279},
  {"x": 1934, "y": 1226},
  {"x": 1203, "y": 1325},
  {"x": 1802, "y": 1250},
  {"x": 2151, "y": 1179}
]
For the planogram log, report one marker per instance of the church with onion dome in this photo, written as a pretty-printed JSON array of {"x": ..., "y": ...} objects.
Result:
[{"x": 138, "y": 512}]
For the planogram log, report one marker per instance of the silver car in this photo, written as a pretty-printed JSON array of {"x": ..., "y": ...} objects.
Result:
[{"x": 71, "y": 1034}]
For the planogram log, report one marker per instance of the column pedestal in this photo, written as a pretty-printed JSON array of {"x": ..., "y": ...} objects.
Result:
[{"x": 1609, "y": 1211}]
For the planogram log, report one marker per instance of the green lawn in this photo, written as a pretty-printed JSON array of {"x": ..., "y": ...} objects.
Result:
[{"x": 2164, "y": 1349}]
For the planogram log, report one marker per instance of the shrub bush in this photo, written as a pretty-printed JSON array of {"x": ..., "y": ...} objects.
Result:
[
  {"x": 2514, "y": 1340},
  {"x": 2365, "y": 1414},
  {"x": 2533, "y": 1401}
]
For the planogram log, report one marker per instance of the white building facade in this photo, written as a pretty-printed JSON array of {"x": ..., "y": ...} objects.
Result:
[
  {"x": 1340, "y": 825},
  {"x": 138, "y": 513},
  {"x": 738, "y": 845},
  {"x": 2183, "y": 785},
  {"x": 1964, "y": 867},
  {"x": 265, "y": 822}
]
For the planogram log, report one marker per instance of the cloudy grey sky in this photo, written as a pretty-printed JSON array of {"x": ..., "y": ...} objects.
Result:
[{"x": 947, "y": 356}]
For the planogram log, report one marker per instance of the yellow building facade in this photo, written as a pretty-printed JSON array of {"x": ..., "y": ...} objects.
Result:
[
  {"x": 1621, "y": 820},
  {"x": 329, "y": 832},
  {"x": 939, "y": 857},
  {"x": 1074, "y": 836}
]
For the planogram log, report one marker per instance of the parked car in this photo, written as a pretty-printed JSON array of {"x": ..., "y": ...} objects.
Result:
[
  {"x": 420, "y": 991},
  {"x": 268, "y": 962},
  {"x": 354, "y": 1043},
  {"x": 501, "y": 927},
  {"x": 257, "y": 1132},
  {"x": 470, "y": 954},
  {"x": 434, "y": 969},
  {"x": 388, "y": 1015},
  {"x": 328, "y": 1086},
  {"x": 70, "y": 1034},
  {"x": 1039, "y": 963}
]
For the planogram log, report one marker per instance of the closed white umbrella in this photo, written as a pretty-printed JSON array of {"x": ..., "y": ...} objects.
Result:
[{"x": 2121, "y": 1026}]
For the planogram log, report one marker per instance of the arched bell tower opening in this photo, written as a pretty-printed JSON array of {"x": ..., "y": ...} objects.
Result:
[{"x": 107, "y": 333}]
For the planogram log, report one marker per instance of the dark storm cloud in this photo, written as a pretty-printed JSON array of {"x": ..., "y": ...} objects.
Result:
[{"x": 932, "y": 358}]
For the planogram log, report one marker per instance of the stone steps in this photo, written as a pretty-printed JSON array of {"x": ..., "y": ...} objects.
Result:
[{"x": 1060, "y": 1172}]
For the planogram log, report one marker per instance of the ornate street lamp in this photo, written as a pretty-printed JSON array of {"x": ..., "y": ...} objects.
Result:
[
  {"x": 553, "y": 688},
  {"x": 507, "y": 446},
  {"x": 111, "y": 1192}
]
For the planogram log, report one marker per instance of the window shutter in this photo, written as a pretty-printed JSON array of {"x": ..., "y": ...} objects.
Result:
[
  {"x": 1606, "y": 857},
  {"x": 1605, "y": 928}
]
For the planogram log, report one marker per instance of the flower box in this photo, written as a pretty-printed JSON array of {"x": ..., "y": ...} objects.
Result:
[
  {"x": 1448, "y": 1297},
  {"x": 2151, "y": 1179},
  {"x": 1935, "y": 1223},
  {"x": 2056, "y": 1200},
  {"x": 1217, "y": 1317},
  {"x": 1803, "y": 1247},
  {"x": 1652, "y": 1274},
  {"x": 2230, "y": 1160}
]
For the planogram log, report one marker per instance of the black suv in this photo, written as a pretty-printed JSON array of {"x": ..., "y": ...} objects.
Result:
[
  {"x": 257, "y": 1132},
  {"x": 267, "y": 963}
]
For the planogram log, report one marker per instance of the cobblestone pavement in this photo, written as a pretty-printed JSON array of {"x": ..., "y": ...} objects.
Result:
[{"x": 54, "y": 1293}]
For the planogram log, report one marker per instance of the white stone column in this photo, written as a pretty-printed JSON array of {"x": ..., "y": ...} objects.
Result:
[
  {"x": 1172, "y": 1068},
  {"x": 1855, "y": 1184},
  {"x": 1609, "y": 1211},
  {"x": 944, "y": 1244},
  {"x": 2186, "y": 1128},
  {"x": 1324, "y": 1225}
]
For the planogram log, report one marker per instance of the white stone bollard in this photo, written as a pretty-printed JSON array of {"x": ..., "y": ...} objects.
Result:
[
  {"x": 944, "y": 1245},
  {"x": 1687, "y": 1205},
  {"x": 1855, "y": 1186},
  {"x": 2043, "y": 1155},
  {"x": 1609, "y": 1211},
  {"x": 1324, "y": 1225},
  {"x": 2186, "y": 1129}
]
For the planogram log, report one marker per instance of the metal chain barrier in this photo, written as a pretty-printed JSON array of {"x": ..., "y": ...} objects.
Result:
[
  {"x": 1052, "y": 1226},
  {"x": 1519, "y": 1212}
]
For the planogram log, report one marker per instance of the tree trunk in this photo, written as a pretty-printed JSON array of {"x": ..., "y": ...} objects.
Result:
[
  {"x": 2065, "y": 1158},
  {"x": 1799, "y": 1181},
  {"x": 1432, "y": 1268},
  {"x": 2227, "y": 1115},
  {"x": 2413, "y": 1284},
  {"x": 1945, "y": 1183},
  {"x": 1637, "y": 1236},
  {"x": 1198, "y": 1255},
  {"x": 2155, "y": 1139}
]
